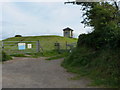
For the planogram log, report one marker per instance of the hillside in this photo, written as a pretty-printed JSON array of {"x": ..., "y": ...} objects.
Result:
[
  {"x": 42, "y": 38},
  {"x": 46, "y": 42}
]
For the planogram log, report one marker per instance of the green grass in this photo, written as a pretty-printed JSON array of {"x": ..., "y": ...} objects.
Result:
[
  {"x": 77, "y": 77},
  {"x": 58, "y": 56},
  {"x": 18, "y": 55},
  {"x": 46, "y": 42},
  {"x": 101, "y": 66},
  {"x": 53, "y": 54},
  {"x": 5, "y": 57},
  {"x": 43, "y": 54}
]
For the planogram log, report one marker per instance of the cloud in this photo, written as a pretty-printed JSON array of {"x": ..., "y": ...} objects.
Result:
[
  {"x": 0, "y": 20},
  {"x": 40, "y": 19},
  {"x": 15, "y": 14},
  {"x": 33, "y": 0}
]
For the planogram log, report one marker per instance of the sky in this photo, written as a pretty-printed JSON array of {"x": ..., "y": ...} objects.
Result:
[{"x": 40, "y": 18}]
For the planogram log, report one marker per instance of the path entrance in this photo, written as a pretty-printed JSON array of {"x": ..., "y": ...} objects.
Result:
[{"x": 38, "y": 73}]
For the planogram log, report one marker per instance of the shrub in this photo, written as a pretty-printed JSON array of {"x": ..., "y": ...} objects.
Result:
[
  {"x": 18, "y": 35},
  {"x": 102, "y": 65},
  {"x": 5, "y": 57},
  {"x": 18, "y": 55}
]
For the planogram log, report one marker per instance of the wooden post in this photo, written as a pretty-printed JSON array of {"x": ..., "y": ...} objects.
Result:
[
  {"x": 2, "y": 45},
  {"x": 66, "y": 45},
  {"x": 57, "y": 47},
  {"x": 38, "y": 46}
]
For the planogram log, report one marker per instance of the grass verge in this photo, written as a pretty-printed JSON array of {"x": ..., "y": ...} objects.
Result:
[
  {"x": 18, "y": 55},
  {"x": 5, "y": 57},
  {"x": 62, "y": 55},
  {"x": 101, "y": 66}
]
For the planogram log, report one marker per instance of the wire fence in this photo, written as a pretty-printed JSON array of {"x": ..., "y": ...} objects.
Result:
[{"x": 20, "y": 47}]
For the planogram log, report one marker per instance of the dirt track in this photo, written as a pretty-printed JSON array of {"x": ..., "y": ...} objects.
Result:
[{"x": 38, "y": 73}]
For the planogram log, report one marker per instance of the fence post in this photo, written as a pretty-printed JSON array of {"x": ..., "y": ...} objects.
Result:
[
  {"x": 38, "y": 46},
  {"x": 2, "y": 45},
  {"x": 57, "y": 47},
  {"x": 66, "y": 45}
]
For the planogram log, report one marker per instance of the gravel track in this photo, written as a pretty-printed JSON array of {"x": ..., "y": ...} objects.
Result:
[{"x": 38, "y": 73}]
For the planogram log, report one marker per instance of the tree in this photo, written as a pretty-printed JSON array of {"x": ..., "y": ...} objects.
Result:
[
  {"x": 18, "y": 35},
  {"x": 109, "y": 6},
  {"x": 104, "y": 18}
]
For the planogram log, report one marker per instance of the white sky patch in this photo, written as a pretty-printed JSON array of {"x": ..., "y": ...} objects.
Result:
[
  {"x": 0, "y": 20},
  {"x": 0, "y": 45},
  {"x": 54, "y": 0},
  {"x": 30, "y": 19},
  {"x": 119, "y": 5},
  {"x": 14, "y": 13},
  {"x": 34, "y": 0}
]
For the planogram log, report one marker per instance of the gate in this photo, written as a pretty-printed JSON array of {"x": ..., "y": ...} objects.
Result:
[
  {"x": 64, "y": 46},
  {"x": 20, "y": 47}
]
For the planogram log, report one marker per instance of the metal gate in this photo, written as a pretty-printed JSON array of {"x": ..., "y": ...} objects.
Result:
[{"x": 20, "y": 47}]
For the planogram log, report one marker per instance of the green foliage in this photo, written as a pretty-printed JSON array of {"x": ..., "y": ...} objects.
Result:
[
  {"x": 99, "y": 15},
  {"x": 53, "y": 54},
  {"x": 76, "y": 77},
  {"x": 18, "y": 35},
  {"x": 43, "y": 54},
  {"x": 5, "y": 57},
  {"x": 98, "y": 53},
  {"x": 104, "y": 18},
  {"x": 99, "y": 40},
  {"x": 18, "y": 55},
  {"x": 62, "y": 55},
  {"x": 102, "y": 66}
]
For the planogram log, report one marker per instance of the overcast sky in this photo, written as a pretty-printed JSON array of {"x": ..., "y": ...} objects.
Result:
[{"x": 40, "y": 18}]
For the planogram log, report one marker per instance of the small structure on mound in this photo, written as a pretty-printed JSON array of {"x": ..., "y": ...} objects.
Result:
[{"x": 68, "y": 32}]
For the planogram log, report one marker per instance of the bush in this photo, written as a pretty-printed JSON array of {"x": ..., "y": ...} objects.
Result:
[
  {"x": 5, "y": 57},
  {"x": 18, "y": 35},
  {"x": 108, "y": 38},
  {"x": 102, "y": 65},
  {"x": 18, "y": 55}
]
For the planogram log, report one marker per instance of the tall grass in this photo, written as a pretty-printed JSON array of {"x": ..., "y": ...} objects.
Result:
[{"x": 101, "y": 66}]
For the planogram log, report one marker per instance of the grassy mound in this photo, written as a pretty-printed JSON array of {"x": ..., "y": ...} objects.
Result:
[
  {"x": 46, "y": 42},
  {"x": 101, "y": 66}
]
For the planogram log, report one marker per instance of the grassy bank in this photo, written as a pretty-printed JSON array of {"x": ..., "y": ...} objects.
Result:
[
  {"x": 5, "y": 57},
  {"x": 47, "y": 43},
  {"x": 101, "y": 66}
]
